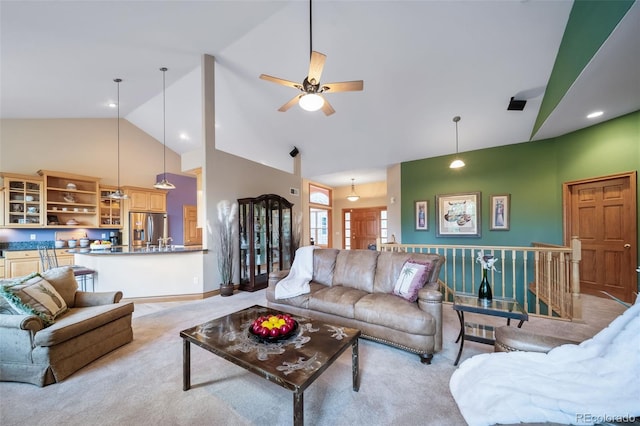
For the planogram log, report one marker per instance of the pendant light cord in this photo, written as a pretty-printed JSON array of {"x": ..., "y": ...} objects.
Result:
[
  {"x": 118, "y": 80},
  {"x": 164, "y": 125}
]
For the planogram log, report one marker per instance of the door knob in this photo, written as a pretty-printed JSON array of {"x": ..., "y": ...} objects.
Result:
[{"x": 627, "y": 245}]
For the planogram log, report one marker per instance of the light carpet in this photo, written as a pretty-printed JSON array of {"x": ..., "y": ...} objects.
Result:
[{"x": 141, "y": 383}]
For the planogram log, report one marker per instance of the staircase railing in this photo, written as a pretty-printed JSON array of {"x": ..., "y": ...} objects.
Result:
[{"x": 544, "y": 278}]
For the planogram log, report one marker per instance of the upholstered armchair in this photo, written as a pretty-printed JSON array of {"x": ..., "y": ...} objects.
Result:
[{"x": 34, "y": 351}]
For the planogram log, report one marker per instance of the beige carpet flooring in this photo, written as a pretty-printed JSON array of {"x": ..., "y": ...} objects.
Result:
[{"x": 141, "y": 383}]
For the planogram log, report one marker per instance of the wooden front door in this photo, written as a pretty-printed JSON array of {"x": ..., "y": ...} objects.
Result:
[
  {"x": 602, "y": 213},
  {"x": 192, "y": 234},
  {"x": 365, "y": 227}
]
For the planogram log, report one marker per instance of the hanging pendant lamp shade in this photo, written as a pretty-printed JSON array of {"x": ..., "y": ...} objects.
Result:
[
  {"x": 164, "y": 183},
  {"x": 353, "y": 196},
  {"x": 118, "y": 194},
  {"x": 457, "y": 163}
]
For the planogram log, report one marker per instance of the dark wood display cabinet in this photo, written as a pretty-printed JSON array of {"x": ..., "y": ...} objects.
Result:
[{"x": 265, "y": 239}]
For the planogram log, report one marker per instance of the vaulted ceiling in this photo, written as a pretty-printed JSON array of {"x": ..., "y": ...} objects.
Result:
[{"x": 422, "y": 62}]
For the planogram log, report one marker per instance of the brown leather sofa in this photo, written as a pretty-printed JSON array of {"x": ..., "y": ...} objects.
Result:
[
  {"x": 94, "y": 325},
  {"x": 354, "y": 288}
]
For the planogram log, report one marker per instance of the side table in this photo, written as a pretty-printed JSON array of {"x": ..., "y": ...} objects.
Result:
[{"x": 481, "y": 333}]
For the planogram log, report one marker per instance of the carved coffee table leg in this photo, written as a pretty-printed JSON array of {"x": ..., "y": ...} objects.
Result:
[
  {"x": 186, "y": 365},
  {"x": 355, "y": 365},
  {"x": 298, "y": 408}
]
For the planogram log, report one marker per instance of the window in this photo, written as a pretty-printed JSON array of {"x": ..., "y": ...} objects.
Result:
[
  {"x": 383, "y": 226},
  {"x": 320, "y": 215},
  {"x": 347, "y": 230}
]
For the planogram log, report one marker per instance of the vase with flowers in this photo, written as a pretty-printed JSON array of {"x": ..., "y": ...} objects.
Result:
[
  {"x": 227, "y": 213},
  {"x": 484, "y": 291}
]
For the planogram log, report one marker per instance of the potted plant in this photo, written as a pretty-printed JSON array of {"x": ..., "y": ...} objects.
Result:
[{"x": 227, "y": 212}]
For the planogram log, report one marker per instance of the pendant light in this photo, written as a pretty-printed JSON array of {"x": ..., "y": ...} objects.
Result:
[
  {"x": 164, "y": 183},
  {"x": 353, "y": 196},
  {"x": 457, "y": 163},
  {"x": 118, "y": 194}
]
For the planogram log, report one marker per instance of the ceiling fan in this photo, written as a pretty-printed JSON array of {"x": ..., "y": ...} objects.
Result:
[{"x": 311, "y": 98}]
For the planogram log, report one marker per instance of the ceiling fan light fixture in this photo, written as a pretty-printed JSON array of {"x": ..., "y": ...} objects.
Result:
[{"x": 311, "y": 102}]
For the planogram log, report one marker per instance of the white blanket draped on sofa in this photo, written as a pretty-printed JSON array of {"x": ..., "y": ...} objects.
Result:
[
  {"x": 301, "y": 273},
  {"x": 594, "y": 382}
]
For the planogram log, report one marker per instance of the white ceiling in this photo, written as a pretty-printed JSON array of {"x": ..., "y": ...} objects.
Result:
[{"x": 422, "y": 62}]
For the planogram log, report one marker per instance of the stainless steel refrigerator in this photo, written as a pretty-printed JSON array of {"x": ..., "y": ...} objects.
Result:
[{"x": 146, "y": 228}]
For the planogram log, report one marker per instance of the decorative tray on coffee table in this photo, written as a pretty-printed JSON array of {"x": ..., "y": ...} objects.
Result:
[{"x": 278, "y": 327}]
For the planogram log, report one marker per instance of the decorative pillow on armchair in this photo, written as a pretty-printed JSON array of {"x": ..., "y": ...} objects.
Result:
[
  {"x": 412, "y": 278},
  {"x": 35, "y": 296}
]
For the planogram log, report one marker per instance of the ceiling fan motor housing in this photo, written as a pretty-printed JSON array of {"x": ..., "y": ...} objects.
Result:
[{"x": 310, "y": 88}]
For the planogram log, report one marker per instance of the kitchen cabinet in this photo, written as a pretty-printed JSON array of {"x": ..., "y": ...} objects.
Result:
[
  {"x": 2, "y": 269},
  {"x": 22, "y": 201},
  {"x": 146, "y": 200},
  {"x": 265, "y": 231},
  {"x": 110, "y": 210},
  {"x": 20, "y": 263},
  {"x": 70, "y": 200},
  {"x": 24, "y": 262}
]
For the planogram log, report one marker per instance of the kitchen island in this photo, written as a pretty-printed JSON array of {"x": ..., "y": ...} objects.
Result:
[{"x": 146, "y": 273}]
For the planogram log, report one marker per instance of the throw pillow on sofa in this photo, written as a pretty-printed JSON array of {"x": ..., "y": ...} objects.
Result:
[
  {"x": 35, "y": 296},
  {"x": 412, "y": 278}
]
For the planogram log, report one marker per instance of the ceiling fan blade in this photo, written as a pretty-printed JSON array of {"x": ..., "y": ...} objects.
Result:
[
  {"x": 315, "y": 66},
  {"x": 344, "y": 86},
  {"x": 281, "y": 81},
  {"x": 289, "y": 104},
  {"x": 327, "y": 108}
]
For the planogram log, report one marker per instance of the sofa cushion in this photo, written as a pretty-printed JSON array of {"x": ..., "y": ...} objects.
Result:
[
  {"x": 301, "y": 301},
  {"x": 34, "y": 295},
  {"x": 356, "y": 269},
  {"x": 412, "y": 278},
  {"x": 324, "y": 263},
  {"x": 394, "y": 312},
  {"x": 63, "y": 280},
  {"x": 336, "y": 300},
  {"x": 77, "y": 321}
]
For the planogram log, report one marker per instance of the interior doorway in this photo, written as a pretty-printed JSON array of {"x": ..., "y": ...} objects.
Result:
[
  {"x": 362, "y": 227},
  {"x": 192, "y": 234},
  {"x": 602, "y": 212}
]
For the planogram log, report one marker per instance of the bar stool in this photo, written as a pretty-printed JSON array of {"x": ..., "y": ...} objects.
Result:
[{"x": 49, "y": 260}]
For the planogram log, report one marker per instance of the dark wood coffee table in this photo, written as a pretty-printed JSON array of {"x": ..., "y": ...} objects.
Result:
[{"x": 293, "y": 363}]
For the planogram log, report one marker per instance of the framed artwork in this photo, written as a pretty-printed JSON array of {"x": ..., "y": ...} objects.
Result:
[
  {"x": 422, "y": 217},
  {"x": 458, "y": 215},
  {"x": 500, "y": 212}
]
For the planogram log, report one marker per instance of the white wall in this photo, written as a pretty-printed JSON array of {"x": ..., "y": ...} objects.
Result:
[{"x": 84, "y": 146}]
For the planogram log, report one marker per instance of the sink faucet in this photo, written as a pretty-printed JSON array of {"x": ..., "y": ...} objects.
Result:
[{"x": 164, "y": 241}]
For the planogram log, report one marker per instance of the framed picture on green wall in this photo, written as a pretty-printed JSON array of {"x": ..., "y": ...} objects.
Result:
[
  {"x": 422, "y": 217},
  {"x": 500, "y": 212},
  {"x": 458, "y": 215}
]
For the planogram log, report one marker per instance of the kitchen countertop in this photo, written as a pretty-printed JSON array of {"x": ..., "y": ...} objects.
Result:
[{"x": 125, "y": 250}]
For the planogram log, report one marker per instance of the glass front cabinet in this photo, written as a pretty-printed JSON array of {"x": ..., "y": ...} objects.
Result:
[{"x": 265, "y": 239}]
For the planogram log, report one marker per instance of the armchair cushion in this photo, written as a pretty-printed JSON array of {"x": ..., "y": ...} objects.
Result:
[
  {"x": 34, "y": 295},
  {"x": 63, "y": 280}
]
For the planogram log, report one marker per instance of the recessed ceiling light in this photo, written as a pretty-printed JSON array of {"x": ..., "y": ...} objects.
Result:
[
  {"x": 112, "y": 104},
  {"x": 595, "y": 114},
  {"x": 184, "y": 137}
]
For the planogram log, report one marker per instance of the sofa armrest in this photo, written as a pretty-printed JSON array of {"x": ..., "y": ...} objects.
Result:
[
  {"x": 85, "y": 298},
  {"x": 430, "y": 301},
  {"x": 512, "y": 339},
  {"x": 23, "y": 322},
  {"x": 275, "y": 277}
]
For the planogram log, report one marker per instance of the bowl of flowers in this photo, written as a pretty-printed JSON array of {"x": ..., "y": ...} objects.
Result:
[{"x": 100, "y": 245}]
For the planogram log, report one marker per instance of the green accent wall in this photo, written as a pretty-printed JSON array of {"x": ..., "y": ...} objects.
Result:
[
  {"x": 589, "y": 25},
  {"x": 532, "y": 172}
]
